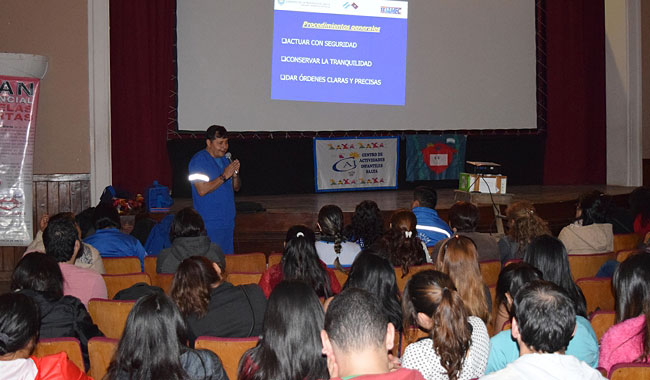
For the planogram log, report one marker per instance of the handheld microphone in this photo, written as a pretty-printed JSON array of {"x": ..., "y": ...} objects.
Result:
[{"x": 228, "y": 155}]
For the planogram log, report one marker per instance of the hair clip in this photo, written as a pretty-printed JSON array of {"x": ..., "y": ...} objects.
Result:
[
  {"x": 408, "y": 234},
  {"x": 300, "y": 234}
]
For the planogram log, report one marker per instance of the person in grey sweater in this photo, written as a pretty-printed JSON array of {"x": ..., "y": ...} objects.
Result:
[{"x": 189, "y": 238}]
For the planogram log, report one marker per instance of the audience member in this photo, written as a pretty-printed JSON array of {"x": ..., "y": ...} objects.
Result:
[
  {"x": 523, "y": 226},
  {"x": 109, "y": 240},
  {"x": 503, "y": 350},
  {"x": 459, "y": 260},
  {"x": 463, "y": 220},
  {"x": 38, "y": 276},
  {"x": 543, "y": 322},
  {"x": 640, "y": 207},
  {"x": 431, "y": 228},
  {"x": 300, "y": 262},
  {"x": 19, "y": 326},
  {"x": 214, "y": 307},
  {"x": 548, "y": 254},
  {"x": 290, "y": 346},
  {"x": 61, "y": 241},
  {"x": 591, "y": 232},
  {"x": 188, "y": 238},
  {"x": 85, "y": 222},
  {"x": 357, "y": 338},
  {"x": 367, "y": 224},
  {"x": 152, "y": 346},
  {"x": 458, "y": 344},
  {"x": 627, "y": 341},
  {"x": 401, "y": 242},
  {"x": 88, "y": 256},
  {"x": 376, "y": 275},
  {"x": 332, "y": 247}
]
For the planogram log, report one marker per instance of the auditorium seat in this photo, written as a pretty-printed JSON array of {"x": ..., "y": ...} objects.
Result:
[
  {"x": 401, "y": 281},
  {"x": 588, "y": 265},
  {"x": 490, "y": 271},
  {"x": 150, "y": 268},
  {"x": 598, "y": 293},
  {"x": 627, "y": 241},
  {"x": 243, "y": 278},
  {"x": 110, "y": 316},
  {"x": 512, "y": 261},
  {"x": 495, "y": 310},
  {"x": 246, "y": 263},
  {"x": 165, "y": 282},
  {"x": 274, "y": 258},
  {"x": 342, "y": 277},
  {"x": 229, "y": 350},
  {"x": 71, "y": 346},
  {"x": 630, "y": 371},
  {"x": 100, "y": 352},
  {"x": 117, "y": 282},
  {"x": 601, "y": 321},
  {"x": 122, "y": 265},
  {"x": 624, "y": 254}
]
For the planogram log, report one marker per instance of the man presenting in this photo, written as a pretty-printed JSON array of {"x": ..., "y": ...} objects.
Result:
[{"x": 214, "y": 180}]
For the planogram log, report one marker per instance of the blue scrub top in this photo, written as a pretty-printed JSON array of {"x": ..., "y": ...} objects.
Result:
[{"x": 217, "y": 208}]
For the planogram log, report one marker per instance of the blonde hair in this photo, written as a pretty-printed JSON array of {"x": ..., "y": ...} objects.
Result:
[
  {"x": 458, "y": 258},
  {"x": 525, "y": 224}
]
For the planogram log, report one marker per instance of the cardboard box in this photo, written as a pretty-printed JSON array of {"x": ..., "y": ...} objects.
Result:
[{"x": 483, "y": 183}]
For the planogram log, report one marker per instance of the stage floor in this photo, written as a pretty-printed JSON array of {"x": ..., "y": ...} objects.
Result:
[{"x": 389, "y": 200}]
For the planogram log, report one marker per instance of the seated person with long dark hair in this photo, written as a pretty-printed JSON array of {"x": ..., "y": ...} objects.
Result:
[
  {"x": 19, "y": 326},
  {"x": 153, "y": 346},
  {"x": 290, "y": 347},
  {"x": 592, "y": 231},
  {"x": 332, "y": 247},
  {"x": 401, "y": 242},
  {"x": 38, "y": 276},
  {"x": 189, "y": 238},
  {"x": 366, "y": 226},
  {"x": 214, "y": 307},
  {"x": 300, "y": 262},
  {"x": 61, "y": 240}
]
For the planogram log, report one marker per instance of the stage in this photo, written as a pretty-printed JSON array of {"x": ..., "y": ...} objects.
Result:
[{"x": 265, "y": 231}]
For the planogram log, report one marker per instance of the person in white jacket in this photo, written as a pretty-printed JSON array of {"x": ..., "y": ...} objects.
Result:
[{"x": 543, "y": 323}]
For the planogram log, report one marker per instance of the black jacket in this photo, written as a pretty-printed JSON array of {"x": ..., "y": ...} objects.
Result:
[
  {"x": 183, "y": 247},
  {"x": 66, "y": 317}
]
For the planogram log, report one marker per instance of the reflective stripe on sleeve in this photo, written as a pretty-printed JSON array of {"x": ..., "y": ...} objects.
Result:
[
  {"x": 434, "y": 229},
  {"x": 199, "y": 177}
]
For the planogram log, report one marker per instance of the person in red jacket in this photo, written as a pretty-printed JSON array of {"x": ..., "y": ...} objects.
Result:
[
  {"x": 19, "y": 326},
  {"x": 300, "y": 262}
]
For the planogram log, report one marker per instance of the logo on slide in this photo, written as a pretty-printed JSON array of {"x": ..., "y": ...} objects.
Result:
[
  {"x": 281, "y": 2},
  {"x": 347, "y": 5},
  {"x": 391, "y": 10}
]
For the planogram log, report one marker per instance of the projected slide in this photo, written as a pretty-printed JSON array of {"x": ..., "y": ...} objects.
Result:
[{"x": 340, "y": 51}]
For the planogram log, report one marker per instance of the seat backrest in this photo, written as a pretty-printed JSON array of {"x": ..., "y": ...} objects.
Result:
[
  {"x": 229, "y": 350},
  {"x": 401, "y": 281},
  {"x": 117, "y": 282},
  {"x": 165, "y": 281},
  {"x": 490, "y": 271},
  {"x": 274, "y": 258},
  {"x": 121, "y": 265},
  {"x": 243, "y": 278},
  {"x": 246, "y": 263},
  {"x": 627, "y": 241},
  {"x": 630, "y": 371},
  {"x": 601, "y": 321},
  {"x": 624, "y": 254},
  {"x": 100, "y": 352},
  {"x": 150, "y": 268},
  {"x": 588, "y": 265},
  {"x": 110, "y": 316},
  {"x": 71, "y": 346},
  {"x": 598, "y": 293},
  {"x": 342, "y": 277}
]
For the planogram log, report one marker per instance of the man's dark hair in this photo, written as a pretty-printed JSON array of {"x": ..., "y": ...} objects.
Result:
[
  {"x": 355, "y": 321},
  {"x": 216, "y": 132},
  {"x": 426, "y": 195},
  {"x": 464, "y": 217},
  {"x": 187, "y": 223},
  {"x": 59, "y": 238},
  {"x": 545, "y": 315},
  {"x": 106, "y": 216}
]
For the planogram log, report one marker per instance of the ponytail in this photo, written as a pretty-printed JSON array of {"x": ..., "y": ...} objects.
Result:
[{"x": 434, "y": 294}]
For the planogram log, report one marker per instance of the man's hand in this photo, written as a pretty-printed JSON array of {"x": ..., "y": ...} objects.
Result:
[
  {"x": 230, "y": 170},
  {"x": 45, "y": 219}
]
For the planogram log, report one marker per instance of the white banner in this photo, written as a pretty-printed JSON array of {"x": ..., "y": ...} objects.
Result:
[
  {"x": 364, "y": 163},
  {"x": 18, "y": 103}
]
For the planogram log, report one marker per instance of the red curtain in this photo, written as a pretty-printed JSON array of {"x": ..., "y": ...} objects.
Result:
[
  {"x": 142, "y": 64},
  {"x": 576, "y": 118}
]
